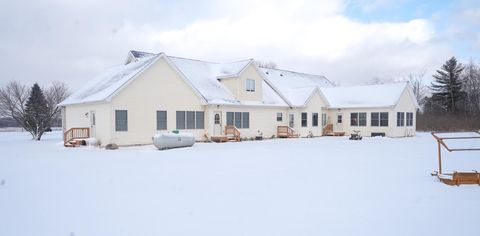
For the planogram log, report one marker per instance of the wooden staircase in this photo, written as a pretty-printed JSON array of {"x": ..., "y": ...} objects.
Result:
[
  {"x": 328, "y": 130},
  {"x": 286, "y": 132},
  {"x": 75, "y": 137},
  {"x": 232, "y": 133}
]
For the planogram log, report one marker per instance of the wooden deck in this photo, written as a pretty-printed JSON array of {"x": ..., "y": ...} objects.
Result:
[
  {"x": 286, "y": 132},
  {"x": 219, "y": 138},
  {"x": 75, "y": 137},
  {"x": 328, "y": 131},
  {"x": 231, "y": 134}
]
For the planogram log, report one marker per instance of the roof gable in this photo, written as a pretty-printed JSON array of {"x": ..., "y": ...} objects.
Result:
[
  {"x": 103, "y": 86},
  {"x": 296, "y": 88},
  {"x": 201, "y": 76}
]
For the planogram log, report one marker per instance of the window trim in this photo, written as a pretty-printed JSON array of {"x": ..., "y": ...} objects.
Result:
[
  {"x": 166, "y": 119},
  {"x": 304, "y": 119},
  {"x": 400, "y": 119},
  {"x": 279, "y": 118},
  {"x": 358, "y": 119},
  {"x": 250, "y": 85},
  {"x": 324, "y": 119},
  {"x": 315, "y": 119},
  {"x": 380, "y": 117},
  {"x": 241, "y": 116},
  {"x": 185, "y": 120},
  {"x": 409, "y": 122},
  {"x": 117, "y": 124}
]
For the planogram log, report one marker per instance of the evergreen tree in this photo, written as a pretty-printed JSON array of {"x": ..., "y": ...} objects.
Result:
[
  {"x": 37, "y": 117},
  {"x": 447, "y": 88}
]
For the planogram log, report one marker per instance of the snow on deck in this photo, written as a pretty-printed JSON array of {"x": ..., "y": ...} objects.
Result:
[
  {"x": 318, "y": 186},
  {"x": 383, "y": 95}
]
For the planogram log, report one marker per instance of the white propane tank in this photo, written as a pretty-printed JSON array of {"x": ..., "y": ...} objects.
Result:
[{"x": 172, "y": 140}]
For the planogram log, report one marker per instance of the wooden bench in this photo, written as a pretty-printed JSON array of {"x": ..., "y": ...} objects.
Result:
[{"x": 458, "y": 178}]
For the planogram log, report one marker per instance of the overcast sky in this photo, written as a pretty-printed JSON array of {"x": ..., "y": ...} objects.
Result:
[{"x": 349, "y": 41}]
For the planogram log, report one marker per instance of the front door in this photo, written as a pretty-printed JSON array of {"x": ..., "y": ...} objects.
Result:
[
  {"x": 339, "y": 122},
  {"x": 291, "y": 120},
  {"x": 93, "y": 124},
  {"x": 217, "y": 123}
]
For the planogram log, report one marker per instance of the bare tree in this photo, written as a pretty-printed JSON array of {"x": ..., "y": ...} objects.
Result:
[
  {"x": 12, "y": 101},
  {"x": 264, "y": 64},
  {"x": 471, "y": 86},
  {"x": 14, "y": 96},
  {"x": 54, "y": 95},
  {"x": 420, "y": 89}
]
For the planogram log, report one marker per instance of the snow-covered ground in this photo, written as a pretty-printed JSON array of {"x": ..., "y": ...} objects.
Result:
[{"x": 319, "y": 186}]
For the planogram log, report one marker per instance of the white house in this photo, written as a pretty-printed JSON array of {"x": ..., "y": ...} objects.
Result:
[{"x": 151, "y": 93}]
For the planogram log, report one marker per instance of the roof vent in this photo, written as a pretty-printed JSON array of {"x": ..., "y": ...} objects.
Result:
[
  {"x": 266, "y": 73},
  {"x": 281, "y": 74}
]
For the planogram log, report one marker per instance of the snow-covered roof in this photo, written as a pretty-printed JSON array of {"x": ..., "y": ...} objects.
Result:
[
  {"x": 280, "y": 87},
  {"x": 107, "y": 83},
  {"x": 202, "y": 76},
  {"x": 294, "y": 86},
  {"x": 382, "y": 95}
]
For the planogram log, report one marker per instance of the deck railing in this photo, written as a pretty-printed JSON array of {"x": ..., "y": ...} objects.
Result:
[
  {"x": 328, "y": 129},
  {"x": 76, "y": 133},
  {"x": 232, "y": 130},
  {"x": 284, "y": 131}
]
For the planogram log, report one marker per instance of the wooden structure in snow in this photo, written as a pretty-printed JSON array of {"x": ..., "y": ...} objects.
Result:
[
  {"x": 231, "y": 134},
  {"x": 455, "y": 178},
  {"x": 284, "y": 131},
  {"x": 75, "y": 137}
]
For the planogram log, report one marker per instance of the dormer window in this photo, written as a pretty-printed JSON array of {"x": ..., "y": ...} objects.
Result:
[{"x": 250, "y": 85}]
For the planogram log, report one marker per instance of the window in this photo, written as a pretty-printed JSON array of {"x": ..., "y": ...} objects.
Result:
[
  {"x": 217, "y": 119},
  {"x": 190, "y": 120},
  {"x": 400, "y": 119},
  {"x": 181, "y": 119},
  {"x": 199, "y": 122},
  {"x": 304, "y": 119},
  {"x": 121, "y": 120},
  {"x": 353, "y": 119},
  {"x": 250, "y": 85},
  {"x": 241, "y": 120},
  {"x": 409, "y": 118},
  {"x": 358, "y": 119},
  {"x": 245, "y": 120},
  {"x": 375, "y": 119},
  {"x": 362, "y": 119},
  {"x": 383, "y": 118},
  {"x": 161, "y": 120},
  {"x": 314, "y": 119},
  {"x": 291, "y": 120},
  {"x": 238, "y": 119},
  {"x": 339, "y": 118},
  {"x": 279, "y": 116},
  {"x": 379, "y": 119},
  {"x": 230, "y": 118},
  {"x": 324, "y": 119}
]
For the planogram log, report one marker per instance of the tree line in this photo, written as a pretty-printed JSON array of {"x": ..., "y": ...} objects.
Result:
[
  {"x": 452, "y": 100},
  {"x": 32, "y": 108}
]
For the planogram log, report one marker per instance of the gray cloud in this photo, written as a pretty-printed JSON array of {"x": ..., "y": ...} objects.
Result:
[{"x": 71, "y": 41}]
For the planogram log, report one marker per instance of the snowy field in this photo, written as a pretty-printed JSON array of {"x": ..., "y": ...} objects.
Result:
[{"x": 319, "y": 186}]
